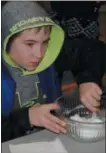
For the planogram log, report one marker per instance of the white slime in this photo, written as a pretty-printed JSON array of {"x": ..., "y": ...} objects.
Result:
[{"x": 85, "y": 129}]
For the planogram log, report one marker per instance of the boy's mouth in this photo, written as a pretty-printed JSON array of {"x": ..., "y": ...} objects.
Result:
[{"x": 34, "y": 63}]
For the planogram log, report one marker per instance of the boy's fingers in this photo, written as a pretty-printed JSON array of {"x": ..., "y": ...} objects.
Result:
[
  {"x": 96, "y": 96},
  {"x": 98, "y": 89},
  {"x": 92, "y": 101},
  {"x": 54, "y": 127},
  {"x": 56, "y": 120},
  {"x": 91, "y": 108}
]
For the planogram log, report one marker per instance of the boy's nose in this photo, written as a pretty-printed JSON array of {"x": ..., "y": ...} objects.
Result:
[{"x": 38, "y": 52}]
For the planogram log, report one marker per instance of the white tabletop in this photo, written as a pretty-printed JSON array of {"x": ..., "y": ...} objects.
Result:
[{"x": 70, "y": 144}]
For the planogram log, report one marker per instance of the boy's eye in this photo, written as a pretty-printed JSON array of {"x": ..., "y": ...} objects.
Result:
[
  {"x": 46, "y": 42},
  {"x": 29, "y": 44}
]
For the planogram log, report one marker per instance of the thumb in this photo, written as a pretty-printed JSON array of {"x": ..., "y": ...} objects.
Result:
[{"x": 53, "y": 106}]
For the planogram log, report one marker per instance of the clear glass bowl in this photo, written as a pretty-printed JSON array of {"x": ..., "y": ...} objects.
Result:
[
  {"x": 86, "y": 131},
  {"x": 81, "y": 131}
]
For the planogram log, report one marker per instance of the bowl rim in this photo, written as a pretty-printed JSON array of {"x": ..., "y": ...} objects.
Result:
[{"x": 97, "y": 123}]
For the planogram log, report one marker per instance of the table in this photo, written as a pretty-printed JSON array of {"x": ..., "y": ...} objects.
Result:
[{"x": 70, "y": 144}]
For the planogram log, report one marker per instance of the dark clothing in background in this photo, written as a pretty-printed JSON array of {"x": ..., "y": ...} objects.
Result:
[
  {"x": 79, "y": 19},
  {"x": 85, "y": 58}
]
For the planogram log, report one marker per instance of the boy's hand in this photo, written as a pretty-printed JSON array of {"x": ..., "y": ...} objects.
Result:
[
  {"x": 90, "y": 94},
  {"x": 40, "y": 116}
]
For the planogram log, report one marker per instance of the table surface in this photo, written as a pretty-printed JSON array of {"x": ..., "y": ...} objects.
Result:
[{"x": 69, "y": 143}]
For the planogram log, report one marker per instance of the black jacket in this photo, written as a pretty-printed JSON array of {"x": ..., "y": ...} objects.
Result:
[
  {"x": 87, "y": 65},
  {"x": 85, "y": 58}
]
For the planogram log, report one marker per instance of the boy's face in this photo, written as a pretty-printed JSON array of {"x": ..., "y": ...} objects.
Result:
[{"x": 29, "y": 47}]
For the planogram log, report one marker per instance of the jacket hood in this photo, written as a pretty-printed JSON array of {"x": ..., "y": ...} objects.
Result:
[{"x": 20, "y": 15}]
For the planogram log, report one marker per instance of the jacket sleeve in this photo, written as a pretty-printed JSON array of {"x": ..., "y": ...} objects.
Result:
[
  {"x": 86, "y": 59},
  {"x": 15, "y": 124},
  {"x": 8, "y": 88},
  {"x": 91, "y": 63}
]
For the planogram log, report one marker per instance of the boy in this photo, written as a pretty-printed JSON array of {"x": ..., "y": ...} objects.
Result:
[{"x": 31, "y": 43}]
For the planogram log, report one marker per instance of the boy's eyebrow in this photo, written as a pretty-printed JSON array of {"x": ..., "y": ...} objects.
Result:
[
  {"x": 33, "y": 41},
  {"x": 30, "y": 41}
]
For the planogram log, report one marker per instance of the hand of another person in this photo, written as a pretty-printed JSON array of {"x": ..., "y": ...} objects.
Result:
[
  {"x": 90, "y": 95},
  {"x": 40, "y": 116}
]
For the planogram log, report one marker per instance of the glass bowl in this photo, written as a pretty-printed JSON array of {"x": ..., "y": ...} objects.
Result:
[
  {"x": 79, "y": 120},
  {"x": 85, "y": 127}
]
